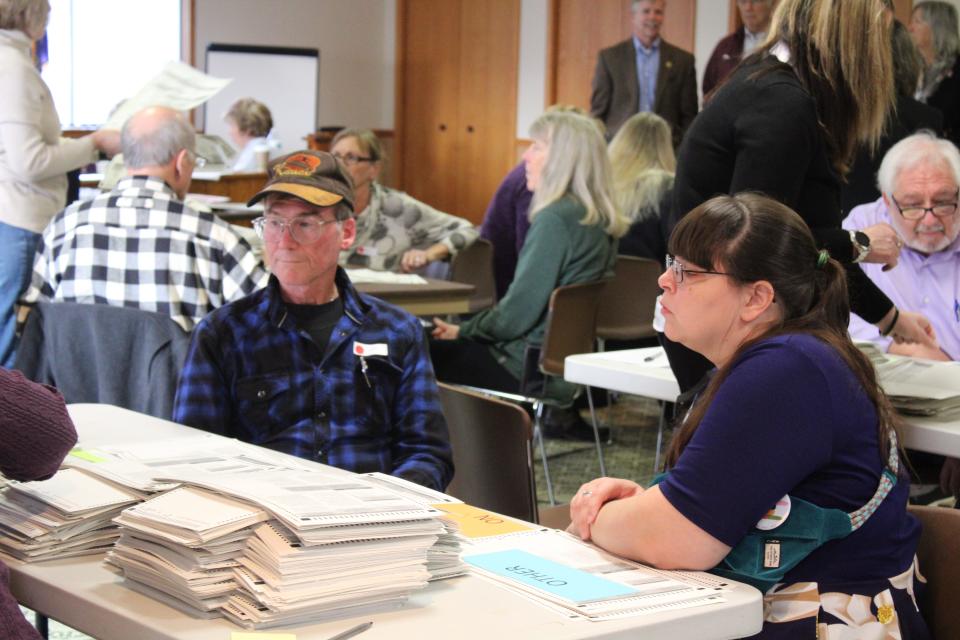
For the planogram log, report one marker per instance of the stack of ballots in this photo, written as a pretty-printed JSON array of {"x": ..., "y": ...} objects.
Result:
[
  {"x": 921, "y": 387},
  {"x": 276, "y": 547},
  {"x": 68, "y": 515}
]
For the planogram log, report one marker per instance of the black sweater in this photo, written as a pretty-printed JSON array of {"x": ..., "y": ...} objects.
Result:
[{"x": 759, "y": 132}]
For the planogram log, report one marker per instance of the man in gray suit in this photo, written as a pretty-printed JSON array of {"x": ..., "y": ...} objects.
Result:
[{"x": 645, "y": 73}]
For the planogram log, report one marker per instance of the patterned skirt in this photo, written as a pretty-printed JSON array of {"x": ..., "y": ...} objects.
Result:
[{"x": 874, "y": 610}]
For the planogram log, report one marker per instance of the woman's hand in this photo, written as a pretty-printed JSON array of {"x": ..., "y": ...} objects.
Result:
[
  {"x": 592, "y": 496},
  {"x": 445, "y": 330},
  {"x": 107, "y": 141},
  {"x": 414, "y": 259},
  {"x": 884, "y": 245},
  {"x": 913, "y": 328}
]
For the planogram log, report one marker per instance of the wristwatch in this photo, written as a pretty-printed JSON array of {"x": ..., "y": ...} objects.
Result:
[{"x": 861, "y": 245}]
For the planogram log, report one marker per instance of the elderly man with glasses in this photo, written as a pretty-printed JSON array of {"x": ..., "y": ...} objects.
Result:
[
  {"x": 308, "y": 365},
  {"x": 138, "y": 245}
]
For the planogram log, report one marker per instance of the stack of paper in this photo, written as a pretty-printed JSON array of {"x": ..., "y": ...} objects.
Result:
[
  {"x": 70, "y": 514},
  {"x": 921, "y": 387},
  {"x": 560, "y": 571},
  {"x": 279, "y": 546},
  {"x": 383, "y": 277}
]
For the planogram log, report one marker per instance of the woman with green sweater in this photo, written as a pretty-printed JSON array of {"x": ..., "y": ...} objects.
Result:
[{"x": 572, "y": 239}]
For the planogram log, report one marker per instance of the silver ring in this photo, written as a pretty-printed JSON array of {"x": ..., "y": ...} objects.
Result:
[{"x": 586, "y": 493}]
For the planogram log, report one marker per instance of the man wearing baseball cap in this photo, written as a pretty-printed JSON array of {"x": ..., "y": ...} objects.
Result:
[{"x": 308, "y": 365}]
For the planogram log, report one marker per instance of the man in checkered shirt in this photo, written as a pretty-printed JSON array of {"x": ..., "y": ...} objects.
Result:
[
  {"x": 308, "y": 365},
  {"x": 139, "y": 245}
]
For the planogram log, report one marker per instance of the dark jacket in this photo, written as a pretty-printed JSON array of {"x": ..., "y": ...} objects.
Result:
[
  {"x": 615, "y": 92},
  {"x": 724, "y": 58},
  {"x": 101, "y": 353}
]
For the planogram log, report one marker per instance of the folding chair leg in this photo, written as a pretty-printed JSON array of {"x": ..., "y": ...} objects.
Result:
[
  {"x": 661, "y": 425},
  {"x": 43, "y": 626},
  {"x": 596, "y": 432},
  {"x": 538, "y": 434}
]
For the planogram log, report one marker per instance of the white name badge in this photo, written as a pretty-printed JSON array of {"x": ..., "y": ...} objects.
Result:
[
  {"x": 378, "y": 349},
  {"x": 776, "y": 516}
]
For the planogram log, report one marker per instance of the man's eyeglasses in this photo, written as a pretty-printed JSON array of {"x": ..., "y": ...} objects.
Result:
[
  {"x": 351, "y": 159},
  {"x": 916, "y": 212},
  {"x": 303, "y": 229},
  {"x": 678, "y": 270}
]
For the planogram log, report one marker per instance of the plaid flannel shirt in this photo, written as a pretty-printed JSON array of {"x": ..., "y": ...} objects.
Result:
[
  {"x": 139, "y": 246},
  {"x": 253, "y": 374}
]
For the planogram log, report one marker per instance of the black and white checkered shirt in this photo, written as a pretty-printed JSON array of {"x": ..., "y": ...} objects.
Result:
[{"x": 140, "y": 246}]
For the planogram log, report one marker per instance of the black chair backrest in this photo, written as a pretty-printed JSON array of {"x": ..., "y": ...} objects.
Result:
[
  {"x": 491, "y": 453},
  {"x": 628, "y": 300},
  {"x": 571, "y": 324}
]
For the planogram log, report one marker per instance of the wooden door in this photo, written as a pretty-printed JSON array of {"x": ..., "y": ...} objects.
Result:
[
  {"x": 583, "y": 28},
  {"x": 489, "y": 54},
  {"x": 457, "y": 98},
  {"x": 429, "y": 95}
]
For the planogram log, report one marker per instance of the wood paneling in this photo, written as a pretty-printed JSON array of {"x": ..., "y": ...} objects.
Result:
[
  {"x": 581, "y": 29},
  {"x": 902, "y": 9},
  {"x": 457, "y": 93},
  {"x": 489, "y": 52}
]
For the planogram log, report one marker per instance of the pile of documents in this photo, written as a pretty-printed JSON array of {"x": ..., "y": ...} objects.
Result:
[
  {"x": 276, "y": 547},
  {"x": 921, "y": 387},
  {"x": 369, "y": 276},
  {"x": 68, "y": 515},
  {"x": 575, "y": 578}
]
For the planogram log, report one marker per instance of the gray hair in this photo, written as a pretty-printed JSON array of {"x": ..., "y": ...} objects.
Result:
[
  {"x": 576, "y": 164},
  {"x": 251, "y": 117},
  {"x": 342, "y": 211},
  {"x": 155, "y": 143},
  {"x": 28, "y": 16},
  {"x": 923, "y": 148},
  {"x": 941, "y": 17},
  {"x": 907, "y": 61}
]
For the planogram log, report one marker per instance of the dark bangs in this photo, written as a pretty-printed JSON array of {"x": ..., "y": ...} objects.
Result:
[{"x": 709, "y": 233}]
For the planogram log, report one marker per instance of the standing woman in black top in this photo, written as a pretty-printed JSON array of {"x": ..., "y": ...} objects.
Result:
[
  {"x": 786, "y": 123},
  {"x": 933, "y": 26}
]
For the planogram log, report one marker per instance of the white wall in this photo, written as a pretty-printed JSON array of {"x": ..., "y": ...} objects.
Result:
[
  {"x": 532, "y": 76},
  {"x": 356, "y": 39},
  {"x": 712, "y": 17}
]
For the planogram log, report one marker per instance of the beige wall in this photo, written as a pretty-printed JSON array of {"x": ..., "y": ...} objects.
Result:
[{"x": 356, "y": 39}]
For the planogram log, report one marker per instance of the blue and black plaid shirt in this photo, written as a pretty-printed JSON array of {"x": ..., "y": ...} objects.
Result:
[{"x": 253, "y": 374}]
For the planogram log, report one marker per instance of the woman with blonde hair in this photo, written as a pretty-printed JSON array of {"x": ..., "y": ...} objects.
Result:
[
  {"x": 643, "y": 162},
  {"x": 572, "y": 239},
  {"x": 786, "y": 123},
  {"x": 933, "y": 25},
  {"x": 395, "y": 231}
]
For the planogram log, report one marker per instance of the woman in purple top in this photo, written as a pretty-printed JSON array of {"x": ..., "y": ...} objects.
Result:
[
  {"x": 793, "y": 409},
  {"x": 36, "y": 433}
]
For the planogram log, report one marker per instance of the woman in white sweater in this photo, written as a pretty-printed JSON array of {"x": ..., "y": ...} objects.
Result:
[{"x": 34, "y": 159}]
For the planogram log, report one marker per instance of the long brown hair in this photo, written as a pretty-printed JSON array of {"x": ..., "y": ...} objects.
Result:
[
  {"x": 752, "y": 237},
  {"x": 840, "y": 52}
]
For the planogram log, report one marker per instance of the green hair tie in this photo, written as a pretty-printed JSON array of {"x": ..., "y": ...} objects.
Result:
[{"x": 822, "y": 258}]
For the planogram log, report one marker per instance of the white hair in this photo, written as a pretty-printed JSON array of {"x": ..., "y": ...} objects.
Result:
[{"x": 922, "y": 148}]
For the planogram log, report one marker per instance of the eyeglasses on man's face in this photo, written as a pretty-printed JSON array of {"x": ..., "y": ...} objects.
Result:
[
  {"x": 351, "y": 158},
  {"x": 303, "y": 229},
  {"x": 916, "y": 212},
  {"x": 678, "y": 269}
]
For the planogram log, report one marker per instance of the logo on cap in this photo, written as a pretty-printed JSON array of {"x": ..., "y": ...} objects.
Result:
[{"x": 299, "y": 164}]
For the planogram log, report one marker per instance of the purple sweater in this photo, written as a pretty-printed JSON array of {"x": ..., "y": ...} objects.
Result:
[
  {"x": 36, "y": 433},
  {"x": 506, "y": 224}
]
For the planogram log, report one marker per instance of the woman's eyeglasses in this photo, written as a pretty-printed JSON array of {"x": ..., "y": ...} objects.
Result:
[
  {"x": 351, "y": 159},
  {"x": 679, "y": 270}
]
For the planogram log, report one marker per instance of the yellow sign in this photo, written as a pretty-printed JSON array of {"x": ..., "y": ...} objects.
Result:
[
  {"x": 480, "y": 523},
  {"x": 89, "y": 456}
]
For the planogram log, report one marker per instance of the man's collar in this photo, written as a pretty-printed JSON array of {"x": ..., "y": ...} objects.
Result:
[
  {"x": 145, "y": 182},
  {"x": 639, "y": 46},
  {"x": 353, "y": 306}
]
